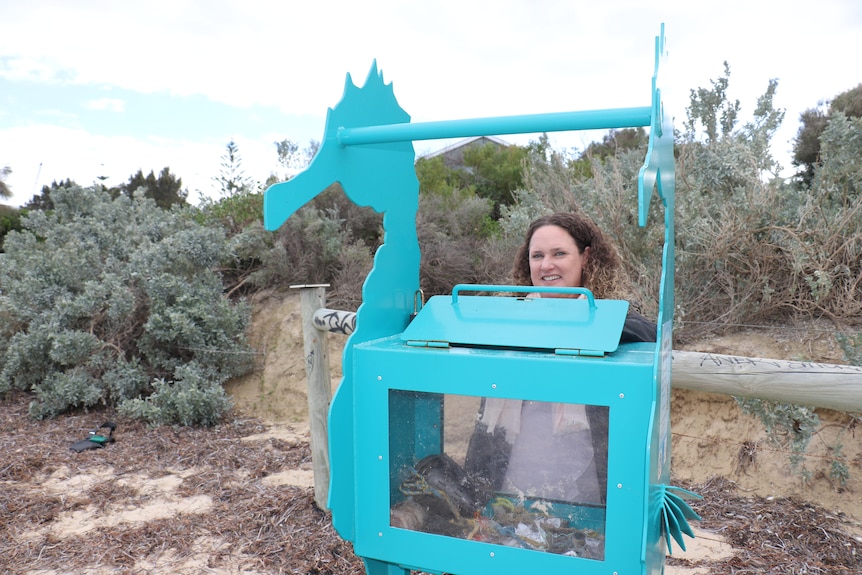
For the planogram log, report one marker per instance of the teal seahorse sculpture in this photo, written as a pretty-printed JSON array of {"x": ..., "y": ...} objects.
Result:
[
  {"x": 367, "y": 148},
  {"x": 383, "y": 177}
]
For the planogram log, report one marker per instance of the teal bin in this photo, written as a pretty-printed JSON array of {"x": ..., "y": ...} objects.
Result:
[{"x": 452, "y": 375}]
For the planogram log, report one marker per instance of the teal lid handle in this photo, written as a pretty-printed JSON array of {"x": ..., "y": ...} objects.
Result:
[{"x": 525, "y": 289}]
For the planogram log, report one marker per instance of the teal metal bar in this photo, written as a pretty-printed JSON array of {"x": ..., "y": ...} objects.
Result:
[{"x": 553, "y": 122}]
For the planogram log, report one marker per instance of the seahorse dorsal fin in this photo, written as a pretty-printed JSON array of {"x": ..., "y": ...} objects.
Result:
[
  {"x": 348, "y": 85},
  {"x": 373, "y": 74}
]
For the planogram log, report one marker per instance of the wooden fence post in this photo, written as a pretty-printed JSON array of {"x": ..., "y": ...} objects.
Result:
[{"x": 312, "y": 298}]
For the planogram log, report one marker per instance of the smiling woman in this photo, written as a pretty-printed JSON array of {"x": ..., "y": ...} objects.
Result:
[{"x": 572, "y": 247}]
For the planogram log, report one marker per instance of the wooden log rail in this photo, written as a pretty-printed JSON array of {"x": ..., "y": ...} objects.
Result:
[{"x": 830, "y": 386}]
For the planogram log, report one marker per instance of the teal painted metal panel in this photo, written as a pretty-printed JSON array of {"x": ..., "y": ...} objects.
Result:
[{"x": 388, "y": 364}]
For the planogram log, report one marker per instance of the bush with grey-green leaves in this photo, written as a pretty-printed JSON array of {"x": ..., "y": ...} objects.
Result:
[{"x": 114, "y": 301}]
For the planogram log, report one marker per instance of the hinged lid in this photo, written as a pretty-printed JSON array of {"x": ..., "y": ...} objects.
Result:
[{"x": 591, "y": 326}]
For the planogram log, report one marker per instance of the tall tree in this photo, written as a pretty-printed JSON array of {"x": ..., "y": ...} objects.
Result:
[
  {"x": 617, "y": 141},
  {"x": 291, "y": 158},
  {"x": 712, "y": 110},
  {"x": 613, "y": 143},
  {"x": 5, "y": 192},
  {"x": 166, "y": 190},
  {"x": 806, "y": 147},
  {"x": 42, "y": 202},
  {"x": 10, "y": 219},
  {"x": 489, "y": 170},
  {"x": 232, "y": 180},
  {"x": 496, "y": 172}
]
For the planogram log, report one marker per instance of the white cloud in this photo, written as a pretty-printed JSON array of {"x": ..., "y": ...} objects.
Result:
[
  {"x": 17, "y": 68},
  {"x": 447, "y": 59},
  {"x": 111, "y": 104}
]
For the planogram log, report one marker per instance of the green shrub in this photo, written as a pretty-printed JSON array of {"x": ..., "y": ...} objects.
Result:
[
  {"x": 10, "y": 219},
  {"x": 788, "y": 427},
  {"x": 750, "y": 247},
  {"x": 316, "y": 243},
  {"x": 851, "y": 344},
  {"x": 354, "y": 264},
  {"x": 195, "y": 397},
  {"x": 106, "y": 301},
  {"x": 453, "y": 230},
  {"x": 234, "y": 212}
]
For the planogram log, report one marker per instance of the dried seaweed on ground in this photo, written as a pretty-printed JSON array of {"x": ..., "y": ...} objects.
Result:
[
  {"x": 226, "y": 518},
  {"x": 777, "y": 535},
  {"x": 250, "y": 526}
]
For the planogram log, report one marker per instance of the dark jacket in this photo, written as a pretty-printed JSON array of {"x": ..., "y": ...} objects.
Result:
[{"x": 638, "y": 328}]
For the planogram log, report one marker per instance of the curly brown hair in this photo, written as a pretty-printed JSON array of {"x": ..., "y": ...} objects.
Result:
[{"x": 602, "y": 273}]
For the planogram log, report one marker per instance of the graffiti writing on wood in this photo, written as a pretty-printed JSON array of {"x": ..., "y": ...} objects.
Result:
[
  {"x": 336, "y": 321},
  {"x": 710, "y": 359}
]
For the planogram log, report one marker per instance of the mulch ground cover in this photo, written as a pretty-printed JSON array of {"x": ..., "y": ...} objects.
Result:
[{"x": 254, "y": 527}]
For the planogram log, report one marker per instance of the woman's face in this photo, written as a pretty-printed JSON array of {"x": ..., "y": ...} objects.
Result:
[{"x": 554, "y": 258}]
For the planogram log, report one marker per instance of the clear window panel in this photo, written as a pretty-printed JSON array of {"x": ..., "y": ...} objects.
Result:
[{"x": 520, "y": 473}]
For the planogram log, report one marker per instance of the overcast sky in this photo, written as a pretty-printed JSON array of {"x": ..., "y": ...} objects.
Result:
[{"x": 103, "y": 88}]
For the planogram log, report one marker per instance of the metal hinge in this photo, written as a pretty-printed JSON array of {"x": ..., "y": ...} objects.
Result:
[
  {"x": 422, "y": 343},
  {"x": 580, "y": 352}
]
